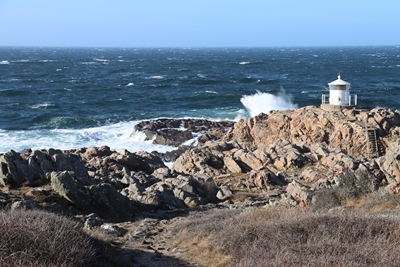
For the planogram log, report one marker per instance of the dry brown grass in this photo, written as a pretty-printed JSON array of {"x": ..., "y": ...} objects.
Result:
[
  {"x": 375, "y": 202},
  {"x": 281, "y": 237},
  {"x": 38, "y": 238}
]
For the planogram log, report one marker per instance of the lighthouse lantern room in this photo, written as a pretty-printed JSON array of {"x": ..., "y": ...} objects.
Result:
[{"x": 339, "y": 96}]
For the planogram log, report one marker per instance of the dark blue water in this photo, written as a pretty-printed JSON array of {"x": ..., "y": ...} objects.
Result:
[{"x": 72, "y": 97}]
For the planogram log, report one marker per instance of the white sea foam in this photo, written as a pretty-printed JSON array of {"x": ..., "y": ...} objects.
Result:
[
  {"x": 4, "y": 62},
  {"x": 244, "y": 63},
  {"x": 42, "y": 105},
  {"x": 264, "y": 102},
  {"x": 211, "y": 92},
  {"x": 157, "y": 77},
  {"x": 130, "y": 84},
  {"x": 101, "y": 60},
  {"x": 117, "y": 136},
  {"x": 241, "y": 114}
]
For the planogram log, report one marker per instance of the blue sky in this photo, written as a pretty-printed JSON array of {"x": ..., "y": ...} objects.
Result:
[{"x": 199, "y": 23}]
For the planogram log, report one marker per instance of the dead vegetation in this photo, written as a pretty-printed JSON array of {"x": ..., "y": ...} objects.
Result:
[
  {"x": 291, "y": 237},
  {"x": 36, "y": 238}
]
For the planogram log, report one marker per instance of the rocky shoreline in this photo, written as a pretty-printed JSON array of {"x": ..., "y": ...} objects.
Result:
[{"x": 280, "y": 158}]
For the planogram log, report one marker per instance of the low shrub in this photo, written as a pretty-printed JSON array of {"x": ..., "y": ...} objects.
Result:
[
  {"x": 350, "y": 187},
  {"x": 38, "y": 238},
  {"x": 272, "y": 237}
]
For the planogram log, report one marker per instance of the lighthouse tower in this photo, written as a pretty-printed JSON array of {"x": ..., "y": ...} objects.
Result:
[{"x": 339, "y": 96}]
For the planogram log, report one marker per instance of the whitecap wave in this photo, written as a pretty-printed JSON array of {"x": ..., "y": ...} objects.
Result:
[
  {"x": 244, "y": 63},
  {"x": 117, "y": 136},
  {"x": 4, "y": 62},
  {"x": 130, "y": 84},
  {"x": 265, "y": 102},
  {"x": 211, "y": 92},
  {"x": 101, "y": 60},
  {"x": 42, "y": 105},
  {"x": 157, "y": 77}
]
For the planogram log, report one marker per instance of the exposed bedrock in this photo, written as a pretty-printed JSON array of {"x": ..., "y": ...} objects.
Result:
[
  {"x": 115, "y": 186},
  {"x": 285, "y": 155},
  {"x": 345, "y": 130},
  {"x": 174, "y": 132}
]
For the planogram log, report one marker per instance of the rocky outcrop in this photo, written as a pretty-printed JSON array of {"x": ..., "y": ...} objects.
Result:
[
  {"x": 389, "y": 164},
  {"x": 290, "y": 155},
  {"x": 115, "y": 186},
  {"x": 310, "y": 124},
  {"x": 174, "y": 132}
]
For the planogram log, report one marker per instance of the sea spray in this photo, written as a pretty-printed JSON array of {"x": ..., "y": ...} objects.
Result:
[
  {"x": 264, "y": 102},
  {"x": 117, "y": 136}
]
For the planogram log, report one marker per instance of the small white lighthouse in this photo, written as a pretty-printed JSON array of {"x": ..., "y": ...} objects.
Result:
[{"x": 339, "y": 96}]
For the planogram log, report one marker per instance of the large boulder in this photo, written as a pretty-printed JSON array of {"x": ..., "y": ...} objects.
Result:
[
  {"x": 264, "y": 179},
  {"x": 172, "y": 137},
  {"x": 9, "y": 172},
  {"x": 138, "y": 161},
  {"x": 96, "y": 152},
  {"x": 389, "y": 164},
  {"x": 200, "y": 159},
  {"x": 65, "y": 185},
  {"x": 72, "y": 163},
  {"x": 108, "y": 203}
]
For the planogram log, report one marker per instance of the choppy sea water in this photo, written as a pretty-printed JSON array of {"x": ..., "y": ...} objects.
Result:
[{"x": 80, "y": 97}]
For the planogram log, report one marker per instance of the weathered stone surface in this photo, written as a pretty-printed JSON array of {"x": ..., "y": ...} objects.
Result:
[
  {"x": 200, "y": 160},
  {"x": 174, "y": 132},
  {"x": 109, "y": 203},
  {"x": 172, "y": 137},
  {"x": 92, "y": 221},
  {"x": 264, "y": 179},
  {"x": 299, "y": 192},
  {"x": 65, "y": 185},
  {"x": 44, "y": 161},
  {"x": 390, "y": 163},
  {"x": 176, "y": 192},
  {"x": 73, "y": 163},
  {"x": 313, "y": 125},
  {"x": 138, "y": 161},
  {"x": 8, "y": 170},
  {"x": 224, "y": 193},
  {"x": 99, "y": 152},
  {"x": 231, "y": 165},
  {"x": 247, "y": 160}
]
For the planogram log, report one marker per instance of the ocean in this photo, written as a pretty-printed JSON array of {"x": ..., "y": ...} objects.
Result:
[{"x": 69, "y": 98}]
